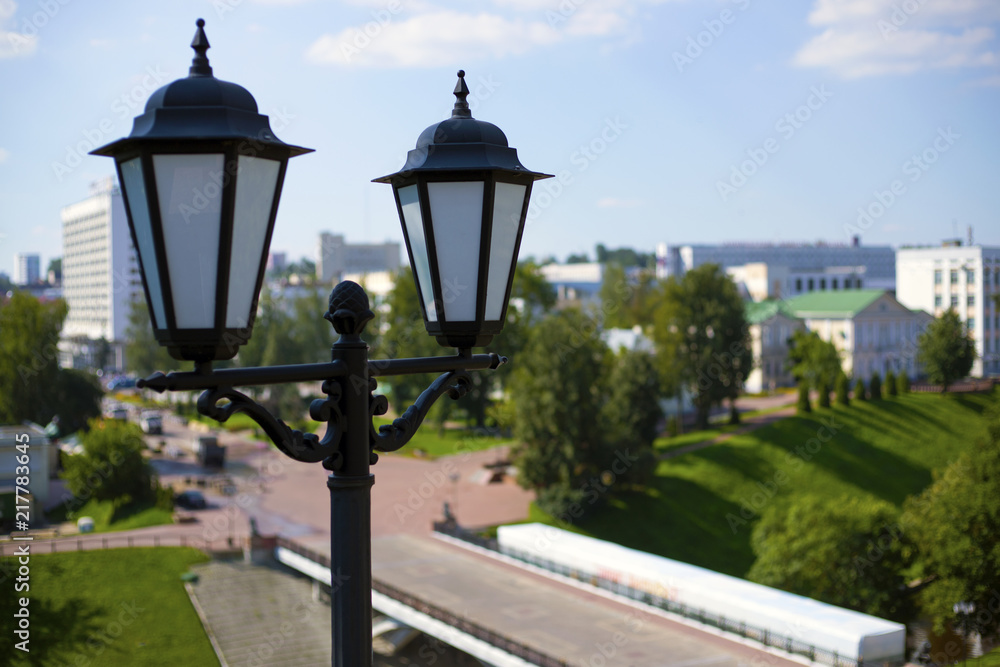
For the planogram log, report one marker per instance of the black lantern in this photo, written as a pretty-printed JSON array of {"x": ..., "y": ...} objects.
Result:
[
  {"x": 462, "y": 198},
  {"x": 202, "y": 173}
]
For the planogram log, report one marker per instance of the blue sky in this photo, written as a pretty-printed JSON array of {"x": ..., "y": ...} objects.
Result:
[{"x": 680, "y": 121}]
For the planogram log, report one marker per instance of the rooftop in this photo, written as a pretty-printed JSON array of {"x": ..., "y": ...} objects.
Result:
[{"x": 842, "y": 303}]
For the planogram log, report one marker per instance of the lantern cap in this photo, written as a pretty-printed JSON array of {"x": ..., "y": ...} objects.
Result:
[
  {"x": 200, "y": 107},
  {"x": 462, "y": 143}
]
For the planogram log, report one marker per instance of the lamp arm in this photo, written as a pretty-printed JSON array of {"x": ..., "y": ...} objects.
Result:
[
  {"x": 391, "y": 437},
  {"x": 305, "y": 447}
]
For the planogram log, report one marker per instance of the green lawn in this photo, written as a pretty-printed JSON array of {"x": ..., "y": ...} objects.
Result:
[
  {"x": 429, "y": 443},
  {"x": 138, "y": 516},
  {"x": 884, "y": 449},
  {"x": 115, "y": 607}
]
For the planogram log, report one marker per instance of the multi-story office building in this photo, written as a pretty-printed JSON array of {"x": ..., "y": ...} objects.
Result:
[
  {"x": 335, "y": 257},
  {"x": 797, "y": 268},
  {"x": 27, "y": 268},
  {"x": 100, "y": 278},
  {"x": 963, "y": 278}
]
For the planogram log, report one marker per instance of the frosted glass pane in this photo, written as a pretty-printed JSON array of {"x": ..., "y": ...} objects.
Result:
[
  {"x": 457, "y": 217},
  {"x": 410, "y": 203},
  {"x": 190, "y": 190},
  {"x": 508, "y": 204},
  {"x": 254, "y": 196},
  {"x": 135, "y": 194}
]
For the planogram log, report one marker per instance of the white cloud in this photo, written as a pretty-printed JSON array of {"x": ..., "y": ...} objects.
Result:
[
  {"x": 879, "y": 37},
  {"x": 4, "y": 155},
  {"x": 432, "y": 39},
  {"x": 14, "y": 43}
]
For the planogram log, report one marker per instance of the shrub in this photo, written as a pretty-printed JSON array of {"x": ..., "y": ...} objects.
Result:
[
  {"x": 875, "y": 386},
  {"x": 903, "y": 383},
  {"x": 803, "y": 406},
  {"x": 824, "y": 393},
  {"x": 843, "y": 390},
  {"x": 890, "y": 384},
  {"x": 859, "y": 390}
]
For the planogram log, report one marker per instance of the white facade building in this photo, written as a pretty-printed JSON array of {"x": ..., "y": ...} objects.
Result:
[
  {"x": 575, "y": 284},
  {"x": 965, "y": 278},
  {"x": 27, "y": 268},
  {"x": 335, "y": 257},
  {"x": 760, "y": 281},
  {"x": 100, "y": 275},
  {"x": 872, "y": 267}
]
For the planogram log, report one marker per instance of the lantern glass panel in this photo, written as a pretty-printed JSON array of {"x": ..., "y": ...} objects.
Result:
[
  {"x": 190, "y": 191},
  {"x": 409, "y": 202},
  {"x": 255, "y": 189},
  {"x": 135, "y": 193},
  {"x": 457, "y": 218},
  {"x": 508, "y": 204}
]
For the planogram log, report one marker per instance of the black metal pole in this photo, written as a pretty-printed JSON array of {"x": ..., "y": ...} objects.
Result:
[{"x": 350, "y": 484}]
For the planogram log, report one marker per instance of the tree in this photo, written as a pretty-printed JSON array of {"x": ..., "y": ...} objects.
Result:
[
  {"x": 956, "y": 524},
  {"x": 111, "y": 467},
  {"x": 859, "y": 390},
  {"x": 823, "y": 389},
  {"x": 556, "y": 391},
  {"x": 55, "y": 268},
  {"x": 626, "y": 303},
  {"x": 891, "y": 388},
  {"x": 813, "y": 359},
  {"x": 631, "y": 414},
  {"x": 802, "y": 405},
  {"x": 903, "y": 383},
  {"x": 143, "y": 354},
  {"x": 32, "y": 386},
  {"x": 702, "y": 338},
  {"x": 851, "y": 553},
  {"x": 946, "y": 350},
  {"x": 875, "y": 386},
  {"x": 843, "y": 389}
]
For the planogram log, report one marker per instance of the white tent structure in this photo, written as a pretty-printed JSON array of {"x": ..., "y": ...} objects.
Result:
[{"x": 839, "y": 632}]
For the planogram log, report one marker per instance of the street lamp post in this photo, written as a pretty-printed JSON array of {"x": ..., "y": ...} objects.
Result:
[{"x": 202, "y": 173}]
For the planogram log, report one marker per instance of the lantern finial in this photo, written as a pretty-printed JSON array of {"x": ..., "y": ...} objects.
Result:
[
  {"x": 461, "y": 109},
  {"x": 199, "y": 64}
]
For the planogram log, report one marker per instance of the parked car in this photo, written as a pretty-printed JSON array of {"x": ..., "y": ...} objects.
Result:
[
  {"x": 191, "y": 500},
  {"x": 116, "y": 412},
  {"x": 151, "y": 423}
]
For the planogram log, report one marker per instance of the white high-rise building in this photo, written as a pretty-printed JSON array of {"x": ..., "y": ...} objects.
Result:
[
  {"x": 965, "y": 278},
  {"x": 100, "y": 275},
  {"x": 27, "y": 268}
]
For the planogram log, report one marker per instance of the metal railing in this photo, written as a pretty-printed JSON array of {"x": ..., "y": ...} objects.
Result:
[
  {"x": 97, "y": 541},
  {"x": 480, "y": 632}
]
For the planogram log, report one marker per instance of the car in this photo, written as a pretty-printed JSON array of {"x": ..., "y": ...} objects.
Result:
[
  {"x": 191, "y": 500},
  {"x": 117, "y": 412},
  {"x": 151, "y": 423}
]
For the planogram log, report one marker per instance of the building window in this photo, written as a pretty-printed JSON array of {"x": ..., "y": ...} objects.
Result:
[
  {"x": 954, "y": 301},
  {"x": 811, "y": 285},
  {"x": 970, "y": 300},
  {"x": 798, "y": 284},
  {"x": 971, "y": 324},
  {"x": 954, "y": 276},
  {"x": 834, "y": 283},
  {"x": 822, "y": 283},
  {"x": 937, "y": 301},
  {"x": 857, "y": 283},
  {"x": 996, "y": 277},
  {"x": 970, "y": 276},
  {"x": 937, "y": 276}
]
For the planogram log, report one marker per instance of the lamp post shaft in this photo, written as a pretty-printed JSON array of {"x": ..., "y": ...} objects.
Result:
[{"x": 350, "y": 515}]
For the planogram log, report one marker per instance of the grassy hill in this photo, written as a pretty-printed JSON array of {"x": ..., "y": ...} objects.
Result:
[
  {"x": 114, "y": 607},
  {"x": 693, "y": 510}
]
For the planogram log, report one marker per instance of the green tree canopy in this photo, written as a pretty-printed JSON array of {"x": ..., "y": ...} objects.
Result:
[
  {"x": 813, "y": 359},
  {"x": 111, "y": 466},
  {"x": 850, "y": 553},
  {"x": 702, "y": 337},
  {"x": 955, "y": 524},
  {"x": 946, "y": 350},
  {"x": 143, "y": 355},
  {"x": 627, "y": 302}
]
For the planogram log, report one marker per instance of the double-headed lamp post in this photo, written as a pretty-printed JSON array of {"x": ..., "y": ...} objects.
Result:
[{"x": 202, "y": 173}]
